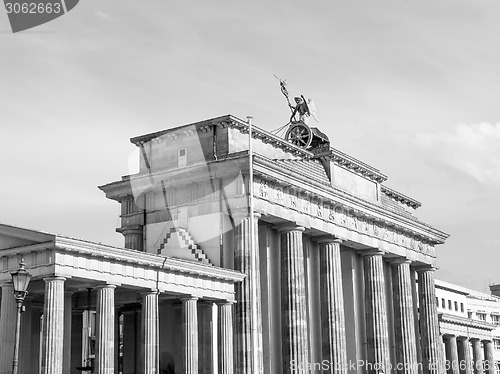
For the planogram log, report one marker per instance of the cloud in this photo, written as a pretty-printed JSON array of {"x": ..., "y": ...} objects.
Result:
[{"x": 472, "y": 149}]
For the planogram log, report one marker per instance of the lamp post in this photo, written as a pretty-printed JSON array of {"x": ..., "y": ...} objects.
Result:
[{"x": 21, "y": 279}]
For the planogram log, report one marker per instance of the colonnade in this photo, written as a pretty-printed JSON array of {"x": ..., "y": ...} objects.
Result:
[
  {"x": 465, "y": 355},
  {"x": 56, "y": 348},
  {"x": 294, "y": 318}
]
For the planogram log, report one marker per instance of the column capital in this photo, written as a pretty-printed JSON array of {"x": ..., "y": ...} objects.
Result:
[
  {"x": 288, "y": 227},
  {"x": 225, "y": 302},
  {"x": 425, "y": 268},
  {"x": 371, "y": 252},
  {"x": 189, "y": 298},
  {"x": 127, "y": 230},
  {"x": 323, "y": 239},
  {"x": 106, "y": 285},
  {"x": 54, "y": 278},
  {"x": 399, "y": 261}
]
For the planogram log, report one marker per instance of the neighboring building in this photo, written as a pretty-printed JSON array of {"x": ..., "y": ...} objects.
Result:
[
  {"x": 469, "y": 324},
  {"x": 339, "y": 254}
]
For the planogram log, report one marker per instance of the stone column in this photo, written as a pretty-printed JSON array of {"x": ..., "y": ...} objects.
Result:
[
  {"x": 404, "y": 321},
  {"x": 489, "y": 360},
  {"x": 67, "y": 332},
  {"x": 477, "y": 356},
  {"x": 295, "y": 350},
  {"x": 377, "y": 333},
  {"x": 53, "y": 326},
  {"x": 8, "y": 313},
  {"x": 452, "y": 363},
  {"x": 432, "y": 353},
  {"x": 189, "y": 335},
  {"x": 226, "y": 353},
  {"x": 149, "y": 333},
  {"x": 464, "y": 357},
  {"x": 334, "y": 346},
  {"x": 105, "y": 326},
  {"x": 134, "y": 237},
  {"x": 243, "y": 308}
]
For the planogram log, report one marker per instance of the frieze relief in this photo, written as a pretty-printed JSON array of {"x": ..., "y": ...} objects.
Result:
[
  {"x": 339, "y": 215},
  {"x": 305, "y": 204},
  {"x": 278, "y": 194},
  {"x": 330, "y": 213},
  {"x": 292, "y": 199},
  {"x": 318, "y": 209},
  {"x": 263, "y": 189}
]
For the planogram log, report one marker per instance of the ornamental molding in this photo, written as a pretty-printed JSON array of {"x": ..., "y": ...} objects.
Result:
[
  {"x": 341, "y": 214},
  {"x": 275, "y": 178},
  {"x": 467, "y": 322},
  {"x": 400, "y": 198},
  {"x": 143, "y": 259}
]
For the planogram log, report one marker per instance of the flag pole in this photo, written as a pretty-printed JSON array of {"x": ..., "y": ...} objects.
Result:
[{"x": 253, "y": 262}]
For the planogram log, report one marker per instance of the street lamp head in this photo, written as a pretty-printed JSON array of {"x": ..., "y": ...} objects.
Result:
[{"x": 21, "y": 278}]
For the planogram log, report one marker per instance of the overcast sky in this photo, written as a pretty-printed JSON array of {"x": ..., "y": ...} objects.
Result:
[{"x": 411, "y": 88}]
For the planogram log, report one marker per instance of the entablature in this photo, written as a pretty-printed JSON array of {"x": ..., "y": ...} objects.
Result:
[
  {"x": 77, "y": 259},
  {"x": 326, "y": 203},
  {"x": 466, "y": 327}
]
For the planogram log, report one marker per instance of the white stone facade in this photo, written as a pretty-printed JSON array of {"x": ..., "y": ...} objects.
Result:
[
  {"x": 469, "y": 325},
  {"x": 338, "y": 255}
]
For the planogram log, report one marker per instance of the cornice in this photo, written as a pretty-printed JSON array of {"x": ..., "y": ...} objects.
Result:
[
  {"x": 399, "y": 197},
  {"x": 131, "y": 256},
  {"x": 450, "y": 318},
  {"x": 148, "y": 259},
  {"x": 374, "y": 211}
]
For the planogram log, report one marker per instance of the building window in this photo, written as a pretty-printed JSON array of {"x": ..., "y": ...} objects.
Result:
[
  {"x": 456, "y": 306},
  {"x": 481, "y": 316},
  {"x": 495, "y": 318},
  {"x": 496, "y": 343},
  {"x": 437, "y": 302},
  {"x": 182, "y": 157},
  {"x": 443, "y": 303},
  {"x": 462, "y": 307},
  {"x": 469, "y": 314},
  {"x": 449, "y": 304}
]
